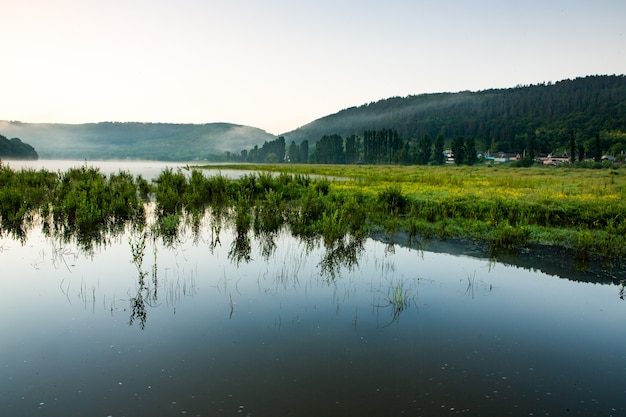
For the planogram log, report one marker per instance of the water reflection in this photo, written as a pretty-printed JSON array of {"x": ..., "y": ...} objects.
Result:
[
  {"x": 146, "y": 295},
  {"x": 337, "y": 325},
  {"x": 344, "y": 252},
  {"x": 248, "y": 228}
]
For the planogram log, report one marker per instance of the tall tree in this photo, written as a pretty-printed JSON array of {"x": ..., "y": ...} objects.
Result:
[
  {"x": 597, "y": 148},
  {"x": 352, "y": 154},
  {"x": 438, "y": 157},
  {"x": 294, "y": 155},
  {"x": 458, "y": 149},
  {"x": 424, "y": 150},
  {"x": 304, "y": 151},
  {"x": 279, "y": 149},
  {"x": 581, "y": 151},
  {"x": 572, "y": 147},
  {"x": 470, "y": 151},
  {"x": 530, "y": 144}
]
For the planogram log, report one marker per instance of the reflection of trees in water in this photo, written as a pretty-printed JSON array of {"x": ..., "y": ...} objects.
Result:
[{"x": 252, "y": 227}]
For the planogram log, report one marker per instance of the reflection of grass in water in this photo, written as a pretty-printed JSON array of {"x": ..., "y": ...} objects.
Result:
[
  {"x": 138, "y": 250},
  {"x": 59, "y": 254},
  {"x": 470, "y": 284},
  {"x": 175, "y": 290}
]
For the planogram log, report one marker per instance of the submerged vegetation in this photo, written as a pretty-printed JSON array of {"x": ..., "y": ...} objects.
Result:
[{"x": 337, "y": 206}]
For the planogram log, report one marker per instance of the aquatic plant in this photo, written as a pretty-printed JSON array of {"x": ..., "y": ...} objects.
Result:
[
  {"x": 170, "y": 192},
  {"x": 398, "y": 298}
]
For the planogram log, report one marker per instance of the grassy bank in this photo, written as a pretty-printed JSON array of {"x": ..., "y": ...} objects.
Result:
[
  {"x": 507, "y": 208},
  {"x": 582, "y": 209}
]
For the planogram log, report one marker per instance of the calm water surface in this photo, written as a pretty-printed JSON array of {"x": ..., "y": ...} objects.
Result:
[{"x": 191, "y": 331}]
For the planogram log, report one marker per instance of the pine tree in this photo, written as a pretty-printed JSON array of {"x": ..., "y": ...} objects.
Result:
[
  {"x": 438, "y": 157},
  {"x": 581, "y": 152},
  {"x": 424, "y": 150},
  {"x": 294, "y": 155},
  {"x": 470, "y": 151},
  {"x": 352, "y": 154},
  {"x": 530, "y": 145},
  {"x": 597, "y": 148},
  {"x": 304, "y": 152},
  {"x": 458, "y": 149},
  {"x": 572, "y": 147}
]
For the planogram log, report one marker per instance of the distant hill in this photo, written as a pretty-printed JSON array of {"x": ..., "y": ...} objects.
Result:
[
  {"x": 16, "y": 149},
  {"x": 153, "y": 141},
  {"x": 498, "y": 119}
]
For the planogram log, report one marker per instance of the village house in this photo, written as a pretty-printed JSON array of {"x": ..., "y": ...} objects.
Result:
[{"x": 554, "y": 159}]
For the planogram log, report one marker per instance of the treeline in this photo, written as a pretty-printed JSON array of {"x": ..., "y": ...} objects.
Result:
[
  {"x": 16, "y": 149},
  {"x": 372, "y": 147},
  {"x": 270, "y": 152},
  {"x": 273, "y": 152},
  {"x": 386, "y": 147},
  {"x": 498, "y": 119}
]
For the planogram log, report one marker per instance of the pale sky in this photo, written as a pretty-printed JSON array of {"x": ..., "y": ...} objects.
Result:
[{"x": 280, "y": 64}]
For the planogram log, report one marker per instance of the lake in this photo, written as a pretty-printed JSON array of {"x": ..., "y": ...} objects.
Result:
[{"x": 142, "y": 326}]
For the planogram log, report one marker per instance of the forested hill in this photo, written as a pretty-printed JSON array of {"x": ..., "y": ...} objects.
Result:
[
  {"x": 154, "y": 141},
  {"x": 16, "y": 149},
  {"x": 498, "y": 119}
]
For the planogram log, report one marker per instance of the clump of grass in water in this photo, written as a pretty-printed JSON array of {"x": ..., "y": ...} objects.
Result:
[{"x": 399, "y": 298}]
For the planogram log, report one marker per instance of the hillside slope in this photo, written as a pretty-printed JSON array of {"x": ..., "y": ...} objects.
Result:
[
  {"x": 14, "y": 148},
  {"x": 155, "y": 141},
  {"x": 499, "y": 119}
]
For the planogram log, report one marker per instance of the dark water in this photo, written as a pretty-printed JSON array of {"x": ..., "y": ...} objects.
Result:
[{"x": 385, "y": 331}]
